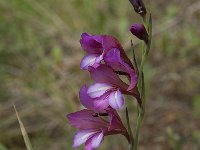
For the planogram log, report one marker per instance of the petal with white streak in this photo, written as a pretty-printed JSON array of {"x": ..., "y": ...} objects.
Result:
[
  {"x": 116, "y": 99},
  {"x": 97, "y": 139},
  {"x": 98, "y": 89},
  {"x": 94, "y": 142},
  {"x": 91, "y": 60},
  {"x": 82, "y": 136}
]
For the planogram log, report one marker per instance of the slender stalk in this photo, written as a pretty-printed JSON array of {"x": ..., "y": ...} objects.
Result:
[
  {"x": 144, "y": 56},
  {"x": 141, "y": 84},
  {"x": 129, "y": 130},
  {"x": 138, "y": 127},
  {"x": 141, "y": 113}
]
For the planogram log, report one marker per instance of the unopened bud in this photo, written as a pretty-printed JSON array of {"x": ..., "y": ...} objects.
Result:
[
  {"x": 139, "y": 31},
  {"x": 139, "y": 7}
]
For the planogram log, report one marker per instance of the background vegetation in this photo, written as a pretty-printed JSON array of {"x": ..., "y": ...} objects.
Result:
[{"x": 39, "y": 70}]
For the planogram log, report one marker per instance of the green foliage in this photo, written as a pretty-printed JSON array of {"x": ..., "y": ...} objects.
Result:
[
  {"x": 57, "y": 54},
  {"x": 173, "y": 139},
  {"x": 2, "y": 147}
]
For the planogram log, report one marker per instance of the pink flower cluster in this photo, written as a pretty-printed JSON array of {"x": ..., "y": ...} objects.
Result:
[{"x": 106, "y": 61}]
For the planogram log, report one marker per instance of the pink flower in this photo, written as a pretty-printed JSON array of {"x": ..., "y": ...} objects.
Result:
[
  {"x": 92, "y": 128},
  {"x": 106, "y": 91},
  {"x": 97, "y": 46}
]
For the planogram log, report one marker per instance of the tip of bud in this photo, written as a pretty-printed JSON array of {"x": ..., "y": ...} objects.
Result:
[
  {"x": 139, "y": 31},
  {"x": 139, "y": 7}
]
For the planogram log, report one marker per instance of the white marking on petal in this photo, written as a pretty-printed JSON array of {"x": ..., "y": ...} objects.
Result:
[
  {"x": 98, "y": 89},
  {"x": 97, "y": 139},
  {"x": 116, "y": 99},
  {"x": 89, "y": 60},
  {"x": 82, "y": 136}
]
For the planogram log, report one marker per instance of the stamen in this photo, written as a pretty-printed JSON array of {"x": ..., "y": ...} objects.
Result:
[
  {"x": 103, "y": 114},
  {"x": 95, "y": 115},
  {"x": 121, "y": 73},
  {"x": 99, "y": 114}
]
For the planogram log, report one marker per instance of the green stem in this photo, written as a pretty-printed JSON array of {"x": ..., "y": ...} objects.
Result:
[
  {"x": 138, "y": 127},
  {"x": 141, "y": 70},
  {"x": 141, "y": 110},
  {"x": 129, "y": 130},
  {"x": 141, "y": 84}
]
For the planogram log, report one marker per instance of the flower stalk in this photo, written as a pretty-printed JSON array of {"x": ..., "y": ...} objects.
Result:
[
  {"x": 141, "y": 83},
  {"x": 129, "y": 130}
]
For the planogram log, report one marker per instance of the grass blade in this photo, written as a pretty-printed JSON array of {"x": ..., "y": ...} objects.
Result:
[{"x": 23, "y": 130}]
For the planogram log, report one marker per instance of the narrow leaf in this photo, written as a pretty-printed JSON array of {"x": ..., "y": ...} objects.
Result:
[
  {"x": 23, "y": 130},
  {"x": 150, "y": 24},
  {"x": 134, "y": 58},
  {"x": 150, "y": 32},
  {"x": 143, "y": 91}
]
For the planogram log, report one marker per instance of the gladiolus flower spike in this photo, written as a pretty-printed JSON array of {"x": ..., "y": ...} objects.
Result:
[{"x": 113, "y": 76}]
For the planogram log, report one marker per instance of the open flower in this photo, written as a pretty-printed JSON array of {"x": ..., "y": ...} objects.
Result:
[
  {"x": 106, "y": 91},
  {"x": 97, "y": 46},
  {"x": 107, "y": 49},
  {"x": 92, "y": 128}
]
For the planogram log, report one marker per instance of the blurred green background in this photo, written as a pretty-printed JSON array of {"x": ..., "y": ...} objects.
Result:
[{"x": 39, "y": 70}]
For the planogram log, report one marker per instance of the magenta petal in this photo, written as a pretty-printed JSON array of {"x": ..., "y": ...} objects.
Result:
[
  {"x": 116, "y": 124},
  {"x": 84, "y": 120},
  {"x": 116, "y": 99},
  {"x": 109, "y": 42},
  {"x": 114, "y": 60},
  {"x": 134, "y": 79},
  {"x": 101, "y": 103},
  {"x": 98, "y": 89},
  {"x": 85, "y": 99},
  {"x": 88, "y": 145},
  {"x": 115, "y": 121},
  {"x": 105, "y": 74},
  {"x": 82, "y": 136},
  {"x": 93, "y": 60},
  {"x": 91, "y": 44},
  {"x": 94, "y": 142}
]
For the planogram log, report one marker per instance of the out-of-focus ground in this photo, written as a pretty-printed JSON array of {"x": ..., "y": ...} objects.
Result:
[{"x": 39, "y": 70}]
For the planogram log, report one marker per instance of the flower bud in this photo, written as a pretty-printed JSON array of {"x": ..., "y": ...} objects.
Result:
[
  {"x": 139, "y": 31},
  {"x": 139, "y": 7}
]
